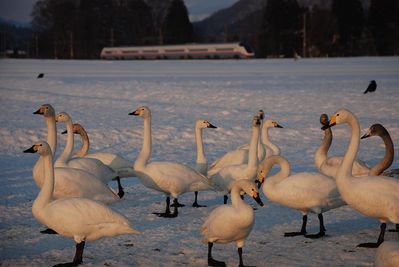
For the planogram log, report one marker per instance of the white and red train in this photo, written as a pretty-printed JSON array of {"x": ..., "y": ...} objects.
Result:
[{"x": 186, "y": 51}]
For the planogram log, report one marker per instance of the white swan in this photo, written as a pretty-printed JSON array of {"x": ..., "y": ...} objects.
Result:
[
  {"x": 373, "y": 196},
  {"x": 306, "y": 192},
  {"x": 233, "y": 223},
  {"x": 201, "y": 164},
  {"x": 228, "y": 174},
  {"x": 379, "y": 130},
  {"x": 329, "y": 165},
  {"x": 78, "y": 218},
  {"x": 266, "y": 148},
  {"x": 93, "y": 166},
  {"x": 70, "y": 182},
  {"x": 171, "y": 178},
  {"x": 120, "y": 165},
  {"x": 387, "y": 255}
]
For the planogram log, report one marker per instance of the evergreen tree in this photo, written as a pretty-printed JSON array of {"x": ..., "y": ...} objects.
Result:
[
  {"x": 383, "y": 22},
  {"x": 282, "y": 24},
  {"x": 177, "y": 28},
  {"x": 350, "y": 21}
]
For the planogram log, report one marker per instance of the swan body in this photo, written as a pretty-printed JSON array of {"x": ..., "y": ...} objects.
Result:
[
  {"x": 120, "y": 165},
  {"x": 78, "y": 218},
  {"x": 306, "y": 192},
  {"x": 372, "y": 196},
  {"x": 231, "y": 223},
  {"x": 93, "y": 166},
  {"x": 228, "y": 174},
  {"x": 379, "y": 130},
  {"x": 240, "y": 155},
  {"x": 170, "y": 178},
  {"x": 329, "y": 165},
  {"x": 387, "y": 254},
  {"x": 69, "y": 182}
]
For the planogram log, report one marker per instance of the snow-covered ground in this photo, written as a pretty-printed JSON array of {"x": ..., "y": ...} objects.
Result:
[{"x": 100, "y": 94}]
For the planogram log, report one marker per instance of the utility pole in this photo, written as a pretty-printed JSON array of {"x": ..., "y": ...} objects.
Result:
[
  {"x": 304, "y": 36},
  {"x": 112, "y": 38},
  {"x": 71, "y": 52}
]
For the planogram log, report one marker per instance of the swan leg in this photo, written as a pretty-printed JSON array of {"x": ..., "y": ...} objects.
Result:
[
  {"x": 303, "y": 228},
  {"x": 379, "y": 241},
  {"x": 212, "y": 261},
  {"x": 49, "y": 231},
  {"x": 195, "y": 204},
  {"x": 78, "y": 256},
  {"x": 179, "y": 205},
  {"x": 167, "y": 213},
  {"x": 322, "y": 228},
  {"x": 121, "y": 193}
]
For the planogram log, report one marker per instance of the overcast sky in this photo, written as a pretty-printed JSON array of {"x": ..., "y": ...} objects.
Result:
[{"x": 19, "y": 10}]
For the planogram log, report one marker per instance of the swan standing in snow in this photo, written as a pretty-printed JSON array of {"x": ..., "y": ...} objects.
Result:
[
  {"x": 93, "y": 166},
  {"x": 237, "y": 156},
  {"x": 373, "y": 196},
  {"x": 306, "y": 192},
  {"x": 201, "y": 164},
  {"x": 69, "y": 182},
  {"x": 228, "y": 174},
  {"x": 329, "y": 165},
  {"x": 231, "y": 223},
  {"x": 120, "y": 165},
  {"x": 78, "y": 218},
  {"x": 387, "y": 255},
  {"x": 379, "y": 130},
  {"x": 171, "y": 178}
]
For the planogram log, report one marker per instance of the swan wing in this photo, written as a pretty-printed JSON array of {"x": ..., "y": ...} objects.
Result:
[
  {"x": 114, "y": 161},
  {"x": 235, "y": 157}
]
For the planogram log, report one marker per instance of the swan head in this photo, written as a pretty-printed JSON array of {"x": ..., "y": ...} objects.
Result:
[
  {"x": 324, "y": 119},
  {"x": 46, "y": 110},
  {"x": 202, "y": 124},
  {"x": 261, "y": 114},
  {"x": 263, "y": 169},
  {"x": 41, "y": 147},
  {"x": 341, "y": 116},
  {"x": 142, "y": 111},
  {"x": 77, "y": 129},
  {"x": 375, "y": 130},
  {"x": 62, "y": 117},
  {"x": 256, "y": 121},
  {"x": 250, "y": 189},
  {"x": 271, "y": 123}
]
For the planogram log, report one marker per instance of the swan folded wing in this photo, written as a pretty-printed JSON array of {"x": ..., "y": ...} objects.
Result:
[
  {"x": 114, "y": 161},
  {"x": 230, "y": 158},
  {"x": 214, "y": 228},
  {"x": 87, "y": 219}
]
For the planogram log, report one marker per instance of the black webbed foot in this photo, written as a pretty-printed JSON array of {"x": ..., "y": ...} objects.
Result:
[
  {"x": 289, "y": 234},
  {"x": 215, "y": 263},
  {"x": 314, "y": 236}
]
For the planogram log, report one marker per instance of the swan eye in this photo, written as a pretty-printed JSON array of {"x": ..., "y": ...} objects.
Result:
[{"x": 337, "y": 114}]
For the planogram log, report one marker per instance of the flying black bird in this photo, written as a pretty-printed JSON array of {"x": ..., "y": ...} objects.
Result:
[
  {"x": 41, "y": 75},
  {"x": 371, "y": 88}
]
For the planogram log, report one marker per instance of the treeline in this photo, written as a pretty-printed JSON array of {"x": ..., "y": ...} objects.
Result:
[{"x": 81, "y": 28}]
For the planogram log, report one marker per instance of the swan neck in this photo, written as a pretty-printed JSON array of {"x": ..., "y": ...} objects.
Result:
[
  {"x": 388, "y": 157},
  {"x": 85, "y": 145},
  {"x": 45, "y": 195},
  {"x": 66, "y": 154},
  {"x": 322, "y": 150},
  {"x": 51, "y": 133},
  {"x": 145, "y": 152},
  {"x": 284, "y": 172},
  {"x": 253, "y": 147},
  {"x": 345, "y": 169},
  {"x": 200, "y": 147},
  {"x": 236, "y": 200}
]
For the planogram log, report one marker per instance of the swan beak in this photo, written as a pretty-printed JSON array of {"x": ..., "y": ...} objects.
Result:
[
  {"x": 366, "y": 135},
  {"x": 278, "y": 125},
  {"x": 135, "y": 113},
  {"x": 40, "y": 111},
  {"x": 210, "y": 125},
  {"x": 65, "y": 132},
  {"x": 257, "y": 199},
  {"x": 331, "y": 123},
  {"x": 260, "y": 180},
  {"x": 32, "y": 149}
]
